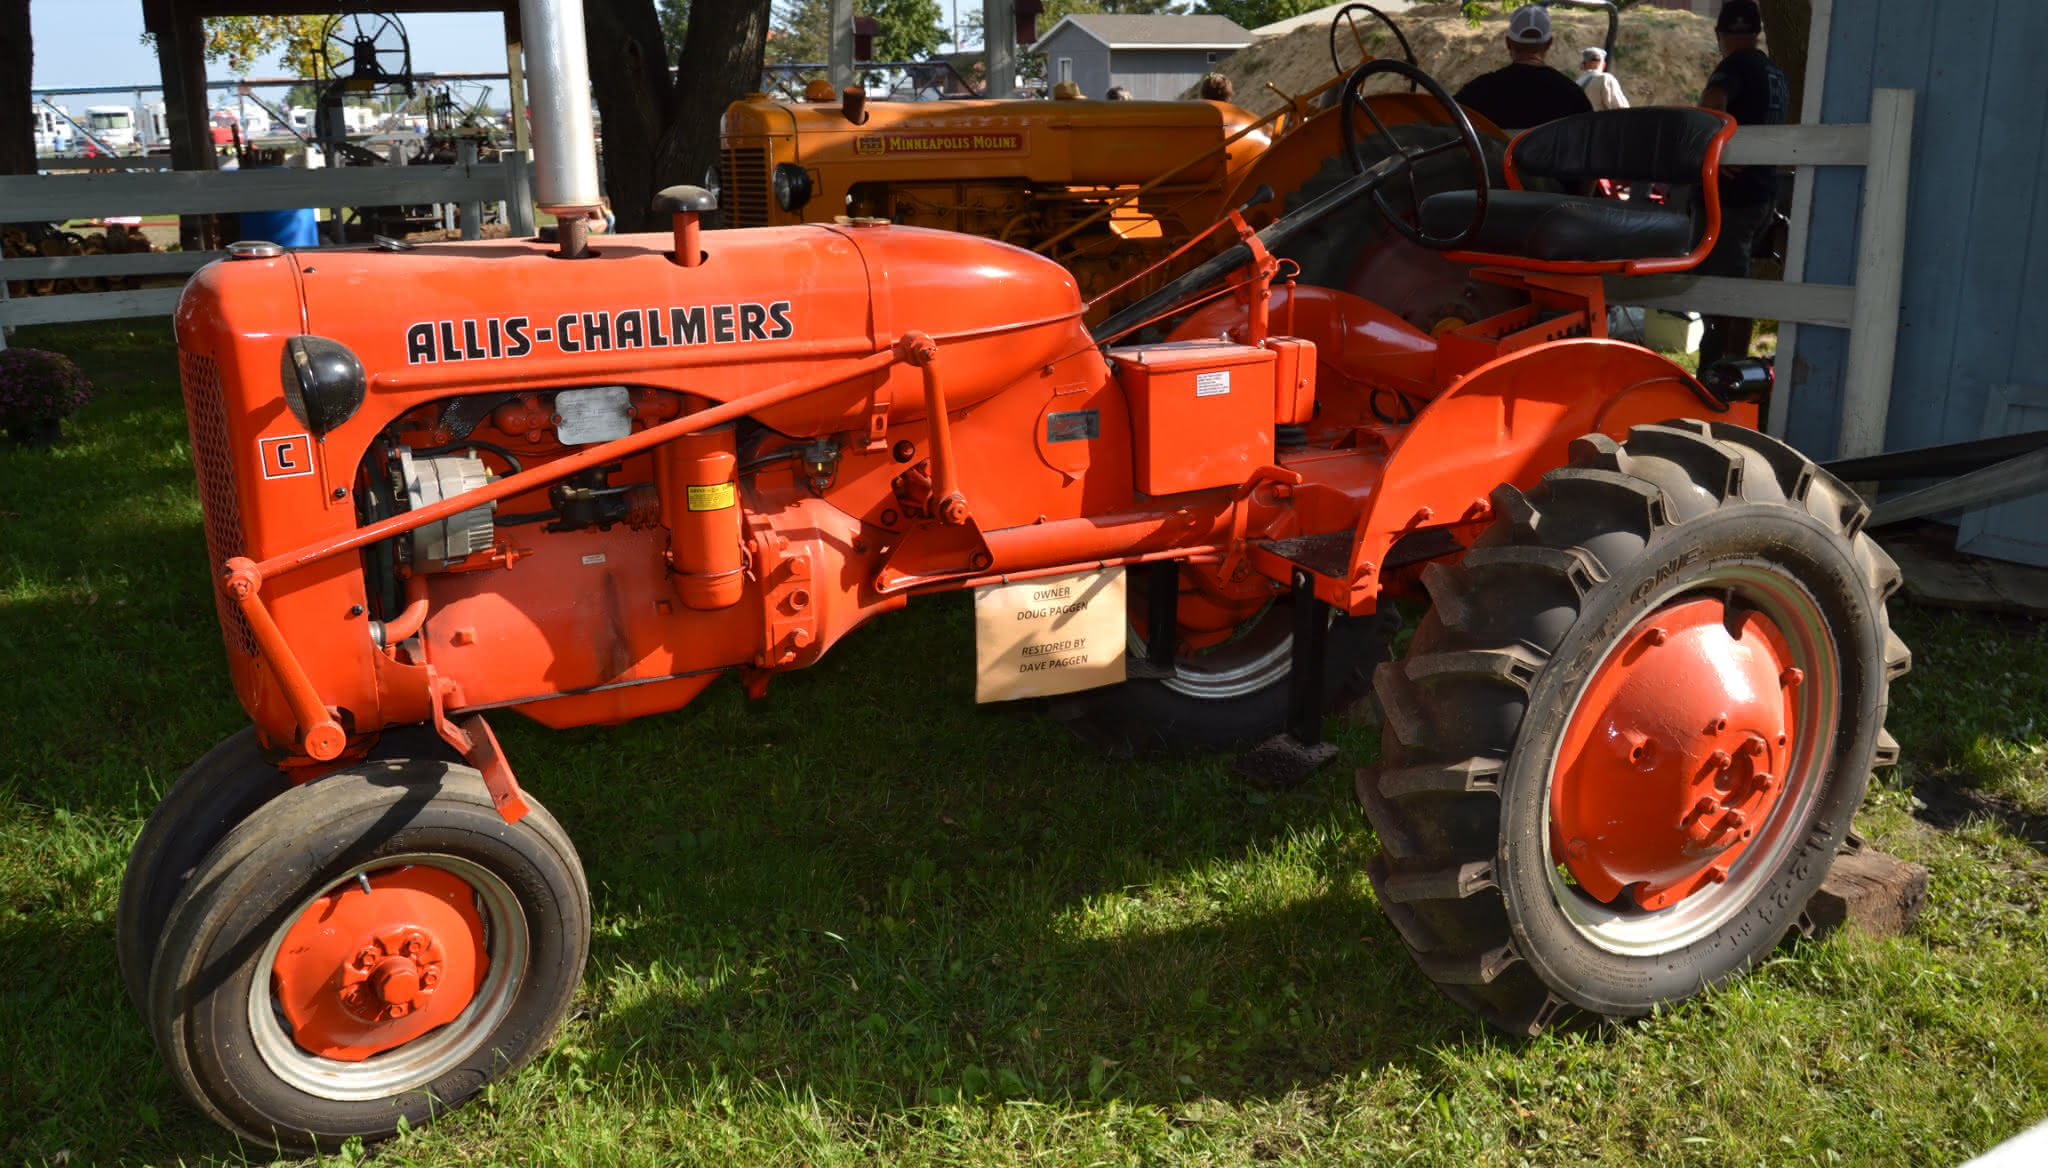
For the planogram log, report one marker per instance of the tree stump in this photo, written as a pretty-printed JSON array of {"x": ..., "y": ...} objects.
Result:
[{"x": 1874, "y": 892}]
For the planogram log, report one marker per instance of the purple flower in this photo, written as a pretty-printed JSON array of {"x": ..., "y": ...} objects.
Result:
[{"x": 39, "y": 386}]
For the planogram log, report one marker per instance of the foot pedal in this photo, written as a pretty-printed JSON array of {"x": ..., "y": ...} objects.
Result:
[{"x": 1282, "y": 761}]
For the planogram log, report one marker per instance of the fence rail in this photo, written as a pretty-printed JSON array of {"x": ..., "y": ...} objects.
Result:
[
  {"x": 63, "y": 197},
  {"x": 1868, "y": 307}
]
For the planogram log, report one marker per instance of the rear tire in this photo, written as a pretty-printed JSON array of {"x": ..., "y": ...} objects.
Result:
[
  {"x": 1205, "y": 708},
  {"x": 366, "y": 950},
  {"x": 1560, "y": 833}
]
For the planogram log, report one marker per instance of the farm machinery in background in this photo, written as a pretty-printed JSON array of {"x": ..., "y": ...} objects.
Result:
[
  {"x": 582, "y": 481},
  {"x": 1123, "y": 194}
]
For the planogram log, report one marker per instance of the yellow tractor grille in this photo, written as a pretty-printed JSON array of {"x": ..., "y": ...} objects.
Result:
[
  {"x": 206, "y": 414},
  {"x": 743, "y": 187}
]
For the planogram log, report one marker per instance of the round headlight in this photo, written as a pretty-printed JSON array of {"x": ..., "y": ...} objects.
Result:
[{"x": 792, "y": 186}]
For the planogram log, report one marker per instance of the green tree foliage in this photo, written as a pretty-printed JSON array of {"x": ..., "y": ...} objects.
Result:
[
  {"x": 675, "y": 24},
  {"x": 798, "y": 33},
  {"x": 911, "y": 30},
  {"x": 242, "y": 40}
]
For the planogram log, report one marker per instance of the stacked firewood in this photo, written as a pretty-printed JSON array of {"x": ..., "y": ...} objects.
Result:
[{"x": 31, "y": 241}]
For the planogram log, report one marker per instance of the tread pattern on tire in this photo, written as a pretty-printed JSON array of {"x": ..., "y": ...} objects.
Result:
[{"x": 1454, "y": 707}]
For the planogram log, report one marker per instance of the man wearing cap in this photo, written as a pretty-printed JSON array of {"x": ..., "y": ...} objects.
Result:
[
  {"x": 1751, "y": 88},
  {"x": 1525, "y": 92},
  {"x": 1597, "y": 83}
]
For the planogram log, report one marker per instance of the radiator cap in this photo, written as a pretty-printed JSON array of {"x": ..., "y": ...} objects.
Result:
[{"x": 254, "y": 249}]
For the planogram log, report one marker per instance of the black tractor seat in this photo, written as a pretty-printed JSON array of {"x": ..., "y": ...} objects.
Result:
[
  {"x": 1679, "y": 145},
  {"x": 1541, "y": 226}
]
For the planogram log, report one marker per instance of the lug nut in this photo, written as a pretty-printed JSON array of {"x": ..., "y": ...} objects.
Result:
[
  {"x": 1791, "y": 677},
  {"x": 1658, "y": 636}
]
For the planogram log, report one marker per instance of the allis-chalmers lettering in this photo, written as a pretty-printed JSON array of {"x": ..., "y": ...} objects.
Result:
[{"x": 431, "y": 342}]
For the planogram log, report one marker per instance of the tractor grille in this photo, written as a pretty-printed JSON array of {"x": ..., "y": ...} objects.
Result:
[
  {"x": 743, "y": 188},
  {"x": 207, "y": 416}
]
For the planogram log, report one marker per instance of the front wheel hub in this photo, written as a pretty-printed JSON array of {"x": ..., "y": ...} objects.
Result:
[
  {"x": 380, "y": 960},
  {"x": 1675, "y": 755}
]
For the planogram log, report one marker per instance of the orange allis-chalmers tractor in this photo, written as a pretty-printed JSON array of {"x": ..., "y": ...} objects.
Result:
[{"x": 581, "y": 481}]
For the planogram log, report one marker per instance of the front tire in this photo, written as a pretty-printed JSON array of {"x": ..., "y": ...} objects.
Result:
[
  {"x": 1631, "y": 734},
  {"x": 368, "y": 950}
]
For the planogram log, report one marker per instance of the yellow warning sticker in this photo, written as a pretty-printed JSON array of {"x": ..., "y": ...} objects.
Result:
[{"x": 712, "y": 497}]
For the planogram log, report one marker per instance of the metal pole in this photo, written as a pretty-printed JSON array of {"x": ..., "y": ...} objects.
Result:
[
  {"x": 565, "y": 153},
  {"x": 839, "y": 56},
  {"x": 999, "y": 46}
]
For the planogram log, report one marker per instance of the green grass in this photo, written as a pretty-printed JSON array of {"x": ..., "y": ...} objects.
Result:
[{"x": 867, "y": 921}]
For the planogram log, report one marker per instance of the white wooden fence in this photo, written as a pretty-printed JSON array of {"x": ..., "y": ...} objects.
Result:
[
  {"x": 1869, "y": 306},
  {"x": 58, "y": 198}
]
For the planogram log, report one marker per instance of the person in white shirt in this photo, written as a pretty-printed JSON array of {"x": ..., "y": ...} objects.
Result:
[{"x": 1600, "y": 86}]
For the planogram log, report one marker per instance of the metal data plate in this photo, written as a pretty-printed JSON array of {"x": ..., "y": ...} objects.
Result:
[{"x": 593, "y": 415}]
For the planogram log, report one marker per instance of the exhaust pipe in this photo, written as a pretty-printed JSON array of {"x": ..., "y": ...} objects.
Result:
[{"x": 564, "y": 142}]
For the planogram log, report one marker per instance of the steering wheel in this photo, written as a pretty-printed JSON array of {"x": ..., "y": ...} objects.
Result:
[
  {"x": 1400, "y": 161},
  {"x": 1343, "y": 18}
]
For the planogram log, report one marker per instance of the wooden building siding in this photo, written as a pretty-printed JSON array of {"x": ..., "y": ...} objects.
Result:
[
  {"x": 1090, "y": 57},
  {"x": 1974, "y": 313},
  {"x": 1150, "y": 74},
  {"x": 1159, "y": 75}
]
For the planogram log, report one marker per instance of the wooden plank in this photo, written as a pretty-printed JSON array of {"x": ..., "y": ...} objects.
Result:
[
  {"x": 1880, "y": 276},
  {"x": 1954, "y": 164},
  {"x": 1871, "y": 891},
  {"x": 122, "y": 162},
  {"x": 33, "y": 198},
  {"x": 1846, "y": 145},
  {"x": 2006, "y": 287},
  {"x": 2017, "y": 529},
  {"x": 1786, "y": 361},
  {"x": 1812, "y": 407},
  {"x": 88, "y": 306},
  {"x": 153, "y": 263},
  {"x": 1827, "y": 304}
]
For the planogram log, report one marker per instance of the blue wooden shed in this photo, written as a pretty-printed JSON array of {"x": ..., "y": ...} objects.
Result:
[{"x": 1971, "y": 356}]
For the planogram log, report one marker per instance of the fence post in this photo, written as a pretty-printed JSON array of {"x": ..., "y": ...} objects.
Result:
[
  {"x": 518, "y": 193},
  {"x": 473, "y": 209},
  {"x": 1880, "y": 276}
]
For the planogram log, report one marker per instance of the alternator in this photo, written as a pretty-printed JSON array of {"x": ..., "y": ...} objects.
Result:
[{"x": 424, "y": 481}]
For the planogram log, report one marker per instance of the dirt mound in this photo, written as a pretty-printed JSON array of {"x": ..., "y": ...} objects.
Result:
[{"x": 1661, "y": 57}]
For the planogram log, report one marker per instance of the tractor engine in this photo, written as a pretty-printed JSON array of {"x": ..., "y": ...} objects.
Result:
[{"x": 627, "y": 584}]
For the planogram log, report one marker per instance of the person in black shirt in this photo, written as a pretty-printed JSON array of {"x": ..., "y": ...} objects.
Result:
[
  {"x": 1751, "y": 88},
  {"x": 1525, "y": 92}
]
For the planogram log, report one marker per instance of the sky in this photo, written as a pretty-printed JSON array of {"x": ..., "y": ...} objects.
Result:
[{"x": 99, "y": 42}]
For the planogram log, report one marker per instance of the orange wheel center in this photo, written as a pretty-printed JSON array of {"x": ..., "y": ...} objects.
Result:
[
  {"x": 379, "y": 961},
  {"x": 1674, "y": 758}
]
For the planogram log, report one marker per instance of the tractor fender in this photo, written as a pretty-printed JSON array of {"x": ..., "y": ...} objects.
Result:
[{"x": 1508, "y": 422}]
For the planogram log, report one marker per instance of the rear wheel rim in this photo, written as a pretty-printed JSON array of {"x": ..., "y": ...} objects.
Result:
[
  {"x": 388, "y": 1055},
  {"x": 1673, "y": 871},
  {"x": 1256, "y": 655}
]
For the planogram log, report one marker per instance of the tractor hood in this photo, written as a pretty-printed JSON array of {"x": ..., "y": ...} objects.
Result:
[{"x": 762, "y": 308}]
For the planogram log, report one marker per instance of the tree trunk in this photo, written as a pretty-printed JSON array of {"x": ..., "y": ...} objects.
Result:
[
  {"x": 659, "y": 133},
  {"x": 721, "y": 62},
  {"x": 629, "y": 76},
  {"x": 17, "y": 70}
]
